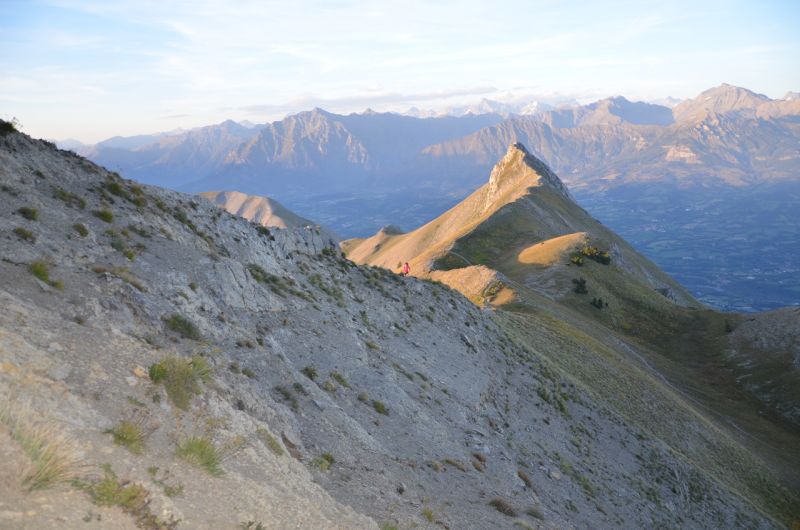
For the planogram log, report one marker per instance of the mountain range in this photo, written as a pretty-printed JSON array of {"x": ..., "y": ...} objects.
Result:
[
  {"x": 682, "y": 173},
  {"x": 167, "y": 364}
]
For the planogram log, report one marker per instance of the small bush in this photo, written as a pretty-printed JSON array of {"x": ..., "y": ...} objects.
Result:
[
  {"x": 372, "y": 346},
  {"x": 111, "y": 492},
  {"x": 41, "y": 270},
  {"x": 181, "y": 378},
  {"x": 31, "y": 214},
  {"x": 503, "y": 507},
  {"x": 524, "y": 478},
  {"x": 104, "y": 215},
  {"x": 183, "y": 326},
  {"x": 310, "y": 372},
  {"x": 363, "y": 397},
  {"x": 81, "y": 229},
  {"x": 249, "y": 373},
  {"x": 7, "y": 127},
  {"x": 380, "y": 407},
  {"x": 25, "y": 235},
  {"x": 580, "y": 286},
  {"x": 428, "y": 514},
  {"x": 129, "y": 434},
  {"x": 201, "y": 452}
]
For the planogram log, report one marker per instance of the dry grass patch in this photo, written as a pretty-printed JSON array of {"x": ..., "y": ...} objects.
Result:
[{"x": 53, "y": 455}]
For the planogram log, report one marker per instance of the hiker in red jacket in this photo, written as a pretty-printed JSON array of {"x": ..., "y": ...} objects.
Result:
[{"x": 406, "y": 269}]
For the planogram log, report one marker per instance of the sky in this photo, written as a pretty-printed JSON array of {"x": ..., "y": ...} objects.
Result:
[{"x": 92, "y": 69}]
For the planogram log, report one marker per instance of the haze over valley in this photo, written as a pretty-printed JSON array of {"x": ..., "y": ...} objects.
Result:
[{"x": 706, "y": 189}]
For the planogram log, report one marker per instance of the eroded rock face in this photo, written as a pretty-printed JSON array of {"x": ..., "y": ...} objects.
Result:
[{"x": 338, "y": 396}]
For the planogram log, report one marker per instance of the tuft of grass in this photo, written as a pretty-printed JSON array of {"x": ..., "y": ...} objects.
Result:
[
  {"x": 339, "y": 378},
  {"x": 388, "y": 526},
  {"x": 252, "y": 525},
  {"x": 288, "y": 397},
  {"x": 183, "y": 326},
  {"x": 129, "y": 434},
  {"x": 324, "y": 462},
  {"x": 524, "y": 478},
  {"x": 31, "y": 214},
  {"x": 69, "y": 198},
  {"x": 52, "y": 454},
  {"x": 104, "y": 215},
  {"x": 25, "y": 235},
  {"x": 503, "y": 507},
  {"x": 270, "y": 441},
  {"x": 310, "y": 372},
  {"x": 81, "y": 229},
  {"x": 428, "y": 514},
  {"x": 201, "y": 452},
  {"x": 181, "y": 377},
  {"x": 372, "y": 346},
  {"x": 534, "y": 512},
  {"x": 248, "y": 373},
  {"x": 380, "y": 407},
  {"x": 41, "y": 270},
  {"x": 456, "y": 464}
]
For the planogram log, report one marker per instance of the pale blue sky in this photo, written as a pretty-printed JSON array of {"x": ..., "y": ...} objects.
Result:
[{"x": 90, "y": 69}]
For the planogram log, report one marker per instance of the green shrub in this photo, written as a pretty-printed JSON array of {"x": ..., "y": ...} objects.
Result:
[
  {"x": 81, "y": 229},
  {"x": 310, "y": 372},
  {"x": 580, "y": 286},
  {"x": 428, "y": 514},
  {"x": 183, "y": 326},
  {"x": 249, "y": 373},
  {"x": 31, "y": 214},
  {"x": 594, "y": 253},
  {"x": 104, "y": 215},
  {"x": 181, "y": 378},
  {"x": 111, "y": 492},
  {"x": 25, "y": 235},
  {"x": 201, "y": 452},
  {"x": 7, "y": 127},
  {"x": 380, "y": 407}
]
